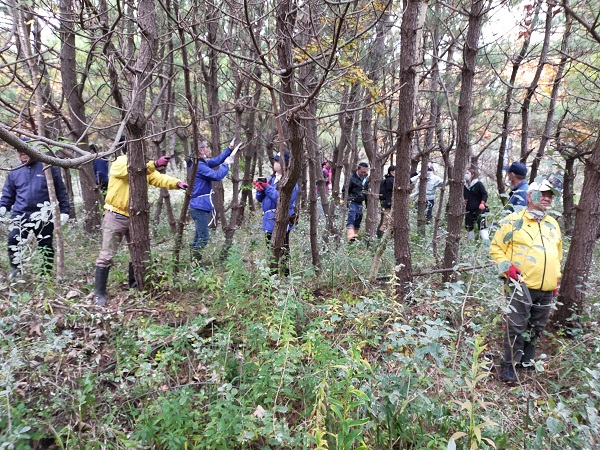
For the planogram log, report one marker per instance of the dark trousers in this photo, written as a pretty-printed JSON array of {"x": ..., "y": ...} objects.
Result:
[
  {"x": 43, "y": 231},
  {"x": 525, "y": 323},
  {"x": 475, "y": 217},
  {"x": 429, "y": 210}
]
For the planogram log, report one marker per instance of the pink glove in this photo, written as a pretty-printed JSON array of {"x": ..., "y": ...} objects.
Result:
[
  {"x": 555, "y": 292},
  {"x": 482, "y": 206},
  {"x": 181, "y": 185},
  {"x": 512, "y": 273},
  {"x": 163, "y": 161}
]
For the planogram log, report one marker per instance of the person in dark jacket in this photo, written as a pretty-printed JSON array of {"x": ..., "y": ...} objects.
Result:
[
  {"x": 358, "y": 185},
  {"x": 201, "y": 204},
  {"x": 386, "y": 192},
  {"x": 100, "y": 171},
  {"x": 516, "y": 174},
  {"x": 267, "y": 194},
  {"x": 25, "y": 189},
  {"x": 476, "y": 197}
]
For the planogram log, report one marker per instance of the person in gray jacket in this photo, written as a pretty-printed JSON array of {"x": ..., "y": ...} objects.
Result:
[{"x": 433, "y": 182}]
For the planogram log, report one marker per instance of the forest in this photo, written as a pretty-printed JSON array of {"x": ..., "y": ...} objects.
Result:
[{"x": 289, "y": 327}]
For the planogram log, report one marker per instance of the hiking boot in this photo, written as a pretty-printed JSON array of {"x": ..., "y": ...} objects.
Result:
[
  {"x": 100, "y": 285},
  {"x": 507, "y": 374},
  {"x": 196, "y": 257}
]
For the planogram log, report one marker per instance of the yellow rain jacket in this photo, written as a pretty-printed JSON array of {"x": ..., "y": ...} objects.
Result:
[
  {"x": 117, "y": 195},
  {"x": 535, "y": 248}
]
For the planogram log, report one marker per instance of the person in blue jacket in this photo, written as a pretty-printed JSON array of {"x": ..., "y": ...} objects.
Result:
[
  {"x": 24, "y": 190},
  {"x": 267, "y": 193},
  {"x": 201, "y": 204},
  {"x": 100, "y": 171}
]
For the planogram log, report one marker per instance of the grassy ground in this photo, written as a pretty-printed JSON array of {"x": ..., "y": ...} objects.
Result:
[{"x": 232, "y": 357}]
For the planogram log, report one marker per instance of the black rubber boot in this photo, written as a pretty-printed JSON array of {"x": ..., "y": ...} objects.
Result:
[
  {"x": 100, "y": 288},
  {"x": 132, "y": 282},
  {"x": 196, "y": 257}
]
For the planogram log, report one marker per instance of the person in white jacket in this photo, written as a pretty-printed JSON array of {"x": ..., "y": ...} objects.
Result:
[{"x": 433, "y": 182}]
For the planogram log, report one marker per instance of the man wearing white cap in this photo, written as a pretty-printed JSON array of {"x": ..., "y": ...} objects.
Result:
[{"x": 528, "y": 250}]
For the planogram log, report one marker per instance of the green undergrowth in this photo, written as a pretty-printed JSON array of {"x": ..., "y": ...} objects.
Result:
[{"x": 231, "y": 356}]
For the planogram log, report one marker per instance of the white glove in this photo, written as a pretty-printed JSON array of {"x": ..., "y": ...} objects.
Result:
[
  {"x": 229, "y": 160},
  {"x": 2, "y": 211},
  {"x": 235, "y": 150},
  {"x": 64, "y": 218}
]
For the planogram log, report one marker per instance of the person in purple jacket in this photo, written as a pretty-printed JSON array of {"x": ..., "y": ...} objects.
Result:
[
  {"x": 201, "y": 204},
  {"x": 24, "y": 190}
]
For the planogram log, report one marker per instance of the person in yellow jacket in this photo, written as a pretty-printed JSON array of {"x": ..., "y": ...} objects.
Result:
[
  {"x": 115, "y": 225},
  {"x": 528, "y": 250}
]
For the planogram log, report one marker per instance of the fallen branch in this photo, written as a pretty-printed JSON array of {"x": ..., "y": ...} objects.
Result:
[{"x": 434, "y": 271}]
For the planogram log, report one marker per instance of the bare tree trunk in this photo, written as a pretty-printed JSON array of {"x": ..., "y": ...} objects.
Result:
[
  {"x": 572, "y": 292},
  {"x": 553, "y": 96},
  {"x": 250, "y": 149},
  {"x": 193, "y": 153},
  {"x": 534, "y": 84},
  {"x": 410, "y": 30},
  {"x": 211, "y": 87},
  {"x": 314, "y": 166},
  {"x": 568, "y": 195},
  {"x": 508, "y": 103},
  {"x": 139, "y": 208},
  {"x": 286, "y": 19},
  {"x": 346, "y": 119},
  {"x": 465, "y": 107},
  {"x": 369, "y": 128},
  {"x": 73, "y": 91}
]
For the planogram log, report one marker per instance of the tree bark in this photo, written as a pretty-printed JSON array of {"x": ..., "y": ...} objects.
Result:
[
  {"x": 576, "y": 271},
  {"x": 73, "y": 92},
  {"x": 508, "y": 103},
  {"x": 534, "y": 85},
  {"x": 553, "y": 96},
  {"x": 412, "y": 24},
  {"x": 139, "y": 208},
  {"x": 465, "y": 106}
]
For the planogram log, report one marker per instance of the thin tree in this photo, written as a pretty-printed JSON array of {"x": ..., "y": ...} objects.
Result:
[{"x": 455, "y": 206}]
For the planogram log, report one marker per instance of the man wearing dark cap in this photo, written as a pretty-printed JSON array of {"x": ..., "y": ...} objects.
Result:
[{"x": 516, "y": 173}]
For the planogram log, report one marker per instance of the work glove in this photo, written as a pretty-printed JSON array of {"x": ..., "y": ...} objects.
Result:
[
  {"x": 3, "y": 211},
  {"x": 260, "y": 185},
  {"x": 512, "y": 273},
  {"x": 163, "y": 161},
  {"x": 64, "y": 218},
  {"x": 230, "y": 159},
  {"x": 482, "y": 206},
  {"x": 555, "y": 292},
  {"x": 182, "y": 185}
]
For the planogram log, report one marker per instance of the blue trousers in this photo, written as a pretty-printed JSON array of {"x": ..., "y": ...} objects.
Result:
[
  {"x": 202, "y": 219},
  {"x": 355, "y": 215}
]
